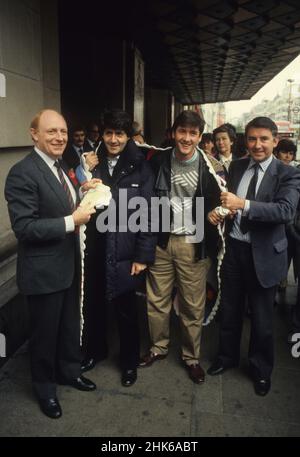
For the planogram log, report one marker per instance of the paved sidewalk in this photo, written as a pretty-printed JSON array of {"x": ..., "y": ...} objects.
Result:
[{"x": 163, "y": 402}]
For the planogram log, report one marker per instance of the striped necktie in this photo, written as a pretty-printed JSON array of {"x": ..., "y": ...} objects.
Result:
[{"x": 64, "y": 184}]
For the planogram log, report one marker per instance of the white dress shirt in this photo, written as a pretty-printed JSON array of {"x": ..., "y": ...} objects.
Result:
[
  {"x": 225, "y": 161},
  {"x": 69, "y": 221},
  {"x": 242, "y": 192}
]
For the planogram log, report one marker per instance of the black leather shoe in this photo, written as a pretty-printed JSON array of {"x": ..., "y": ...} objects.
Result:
[
  {"x": 80, "y": 383},
  {"x": 88, "y": 364},
  {"x": 262, "y": 386},
  {"x": 218, "y": 367},
  {"x": 129, "y": 377},
  {"x": 50, "y": 407}
]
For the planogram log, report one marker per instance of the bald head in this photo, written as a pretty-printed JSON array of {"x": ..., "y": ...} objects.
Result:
[
  {"x": 36, "y": 120},
  {"x": 49, "y": 132}
]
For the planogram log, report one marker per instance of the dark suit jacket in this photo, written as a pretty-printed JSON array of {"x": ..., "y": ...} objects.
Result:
[
  {"x": 37, "y": 206},
  {"x": 70, "y": 155},
  {"x": 87, "y": 147},
  {"x": 274, "y": 206}
]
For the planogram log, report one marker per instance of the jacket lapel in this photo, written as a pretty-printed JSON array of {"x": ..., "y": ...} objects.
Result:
[
  {"x": 267, "y": 184},
  {"x": 52, "y": 181},
  {"x": 163, "y": 180},
  {"x": 240, "y": 166}
]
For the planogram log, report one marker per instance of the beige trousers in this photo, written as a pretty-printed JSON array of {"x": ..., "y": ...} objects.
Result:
[{"x": 177, "y": 265}]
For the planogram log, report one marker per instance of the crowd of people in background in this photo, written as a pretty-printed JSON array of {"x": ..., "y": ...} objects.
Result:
[{"x": 249, "y": 182}]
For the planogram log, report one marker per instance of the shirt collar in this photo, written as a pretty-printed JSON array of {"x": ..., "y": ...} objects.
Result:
[
  {"x": 224, "y": 159},
  {"x": 77, "y": 148},
  {"x": 113, "y": 159},
  {"x": 185, "y": 162},
  {"x": 45, "y": 157},
  {"x": 262, "y": 165}
]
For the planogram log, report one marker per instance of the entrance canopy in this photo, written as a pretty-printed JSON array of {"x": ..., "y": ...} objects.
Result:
[
  {"x": 207, "y": 51},
  {"x": 203, "y": 51}
]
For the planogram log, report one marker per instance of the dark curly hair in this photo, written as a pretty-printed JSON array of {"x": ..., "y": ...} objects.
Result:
[{"x": 116, "y": 119}]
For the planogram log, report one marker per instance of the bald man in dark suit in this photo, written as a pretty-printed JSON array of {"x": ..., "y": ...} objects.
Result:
[{"x": 42, "y": 207}]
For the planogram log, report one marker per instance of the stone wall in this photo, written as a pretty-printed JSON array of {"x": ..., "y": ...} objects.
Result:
[
  {"x": 29, "y": 68},
  {"x": 29, "y": 61}
]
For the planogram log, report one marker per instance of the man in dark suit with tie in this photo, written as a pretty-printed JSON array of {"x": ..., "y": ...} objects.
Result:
[
  {"x": 75, "y": 148},
  {"x": 78, "y": 146},
  {"x": 41, "y": 203},
  {"x": 92, "y": 137},
  {"x": 263, "y": 196}
]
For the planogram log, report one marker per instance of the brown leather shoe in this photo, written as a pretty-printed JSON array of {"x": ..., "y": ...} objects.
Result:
[
  {"x": 196, "y": 373},
  {"x": 150, "y": 358}
]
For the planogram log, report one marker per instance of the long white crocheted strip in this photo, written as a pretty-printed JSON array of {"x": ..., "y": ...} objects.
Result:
[
  {"x": 103, "y": 200},
  {"x": 150, "y": 146},
  {"x": 82, "y": 238},
  {"x": 221, "y": 228}
]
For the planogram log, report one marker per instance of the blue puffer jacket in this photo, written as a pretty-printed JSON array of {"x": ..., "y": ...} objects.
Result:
[{"x": 134, "y": 175}]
